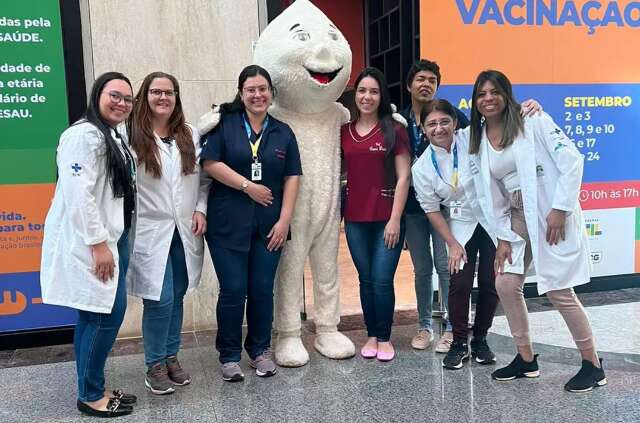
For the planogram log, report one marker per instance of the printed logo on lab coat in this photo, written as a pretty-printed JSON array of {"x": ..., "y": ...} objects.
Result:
[{"x": 76, "y": 169}]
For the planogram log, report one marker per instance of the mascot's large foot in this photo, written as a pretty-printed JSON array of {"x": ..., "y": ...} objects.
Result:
[
  {"x": 290, "y": 352},
  {"x": 334, "y": 345}
]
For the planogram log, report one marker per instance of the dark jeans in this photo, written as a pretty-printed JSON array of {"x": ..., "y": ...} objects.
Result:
[
  {"x": 244, "y": 276},
  {"x": 376, "y": 265},
  {"x": 95, "y": 334},
  {"x": 462, "y": 283},
  {"x": 162, "y": 319}
]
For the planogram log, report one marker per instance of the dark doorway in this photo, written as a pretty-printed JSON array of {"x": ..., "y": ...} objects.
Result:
[{"x": 393, "y": 41}]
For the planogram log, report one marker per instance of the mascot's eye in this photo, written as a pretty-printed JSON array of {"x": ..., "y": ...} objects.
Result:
[
  {"x": 302, "y": 36},
  {"x": 333, "y": 36}
]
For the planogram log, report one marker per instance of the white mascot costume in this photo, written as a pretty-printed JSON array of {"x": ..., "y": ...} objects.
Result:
[{"x": 309, "y": 61}]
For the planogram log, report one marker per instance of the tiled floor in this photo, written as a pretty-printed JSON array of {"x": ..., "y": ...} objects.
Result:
[{"x": 412, "y": 388}]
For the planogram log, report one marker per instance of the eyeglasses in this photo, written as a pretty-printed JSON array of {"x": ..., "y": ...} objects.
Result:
[
  {"x": 158, "y": 92},
  {"x": 256, "y": 90},
  {"x": 117, "y": 97}
]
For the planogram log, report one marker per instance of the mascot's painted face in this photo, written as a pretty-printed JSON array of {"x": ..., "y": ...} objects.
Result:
[{"x": 307, "y": 57}]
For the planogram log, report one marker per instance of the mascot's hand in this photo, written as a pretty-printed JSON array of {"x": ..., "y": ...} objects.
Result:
[
  {"x": 398, "y": 117},
  {"x": 209, "y": 120}
]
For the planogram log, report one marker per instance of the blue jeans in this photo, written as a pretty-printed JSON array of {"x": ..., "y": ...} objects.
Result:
[
  {"x": 419, "y": 232},
  {"x": 244, "y": 276},
  {"x": 376, "y": 265},
  {"x": 95, "y": 334},
  {"x": 162, "y": 319}
]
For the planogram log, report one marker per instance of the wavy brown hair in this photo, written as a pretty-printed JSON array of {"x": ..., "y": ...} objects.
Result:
[
  {"x": 142, "y": 138},
  {"x": 512, "y": 122}
]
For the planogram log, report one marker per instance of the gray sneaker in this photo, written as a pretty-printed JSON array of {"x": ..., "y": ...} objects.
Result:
[
  {"x": 157, "y": 380},
  {"x": 264, "y": 364},
  {"x": 177, "y": 375},
  {"x": 231, "y": 372}
]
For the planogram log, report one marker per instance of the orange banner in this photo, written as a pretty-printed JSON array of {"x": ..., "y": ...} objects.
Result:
[
  {"x": 22, "y": 214},
  {"x": 533, "y": 41}
]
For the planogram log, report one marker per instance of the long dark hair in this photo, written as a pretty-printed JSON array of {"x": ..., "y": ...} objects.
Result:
[
  {"x": 385, "y": 118},
  {"x": 248, "y": 72},
  {"x": 512, "y": 122},
  {"x": 118, "y": 173},
  {"x": 143, "y": 139}
]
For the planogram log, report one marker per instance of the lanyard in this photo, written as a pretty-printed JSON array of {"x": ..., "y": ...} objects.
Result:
[
  {"x": 255, "y": 145},
  {"x": 417, "y": 134},
  {"x": 454, "y": 176}
]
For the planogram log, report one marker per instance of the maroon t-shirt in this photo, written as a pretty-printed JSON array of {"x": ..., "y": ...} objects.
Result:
[{"x": 369, "y": 190}]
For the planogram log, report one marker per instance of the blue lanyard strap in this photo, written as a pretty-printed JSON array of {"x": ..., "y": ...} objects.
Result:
[
  {"x": 248, "y": 129},
  {"x": 418, "y": 136},
  {"x": 255, "y": 144},
  {"x": 454, "y": 176}
]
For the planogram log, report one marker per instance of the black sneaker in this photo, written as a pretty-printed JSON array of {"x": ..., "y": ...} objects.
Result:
[
  {"x": 458, "y": 353},
  {"x": 518, "y": 368},
  {"x": 588, "y": 377},
  {"x": 481, "y": 352}
]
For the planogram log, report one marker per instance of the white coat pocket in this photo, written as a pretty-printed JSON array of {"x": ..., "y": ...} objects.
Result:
[
  {"x": 572, "y": 239},
  {"x": 146, "y": 235}
]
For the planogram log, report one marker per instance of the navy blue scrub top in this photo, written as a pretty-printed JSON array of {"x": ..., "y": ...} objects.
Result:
[{"x": 231, "y": 213}]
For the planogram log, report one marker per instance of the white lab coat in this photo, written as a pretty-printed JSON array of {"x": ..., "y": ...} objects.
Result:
[
  {"x": 83, "y": 213},
  {"x": 432, "y": 191},
  {"x": 549, "y": 170},
  {"x": 163, "y": 205}
]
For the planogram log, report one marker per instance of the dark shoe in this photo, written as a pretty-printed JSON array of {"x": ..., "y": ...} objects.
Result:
[
  {"x": 481, "y": 352},
  {"x": 177, "y": 375},
  {"x": 125, "y": 399},
  {"x": 458, "y": 353},
  {"x": 231, "y": 372},
  {"x": 588, "y": 377},
  {"x": 157, "y": 380},
  {"x": 114, "y": 409},
  {"x": 264, "y": 364},
  {"x": 518, "y": 368}
]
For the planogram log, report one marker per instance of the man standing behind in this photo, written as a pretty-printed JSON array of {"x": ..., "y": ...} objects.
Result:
[{"x": 423, "y": 80}]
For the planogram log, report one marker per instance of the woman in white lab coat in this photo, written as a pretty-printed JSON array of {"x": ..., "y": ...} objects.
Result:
[
  {"x": 168, "y": 250},
  {"x": 444, "y": 187},
  {"x": 85, "y": 246},
  {"x": 532, "y": 172}
]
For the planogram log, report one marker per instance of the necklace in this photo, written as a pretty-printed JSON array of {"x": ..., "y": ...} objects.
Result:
[{"x": 365, "y": 138}]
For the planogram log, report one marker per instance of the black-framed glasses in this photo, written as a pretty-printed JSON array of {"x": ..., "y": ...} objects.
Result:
[
  {"x": 116, "y": 97},
  {"x": 156, "y": 92}
]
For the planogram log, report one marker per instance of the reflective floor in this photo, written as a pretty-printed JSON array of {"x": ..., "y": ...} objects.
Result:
[{"x": 412, "y": 388}]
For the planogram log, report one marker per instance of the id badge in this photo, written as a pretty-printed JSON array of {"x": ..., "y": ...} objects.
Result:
[
  {"x": 256, "y": 171},
  {"x": 455, "y": 210}
]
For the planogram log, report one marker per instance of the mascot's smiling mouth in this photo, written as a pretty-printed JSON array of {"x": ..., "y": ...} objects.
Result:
[{"x": 323, "y": 78}]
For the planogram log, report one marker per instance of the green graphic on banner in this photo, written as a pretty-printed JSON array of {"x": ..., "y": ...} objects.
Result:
[{"x": 33, "y": 98}]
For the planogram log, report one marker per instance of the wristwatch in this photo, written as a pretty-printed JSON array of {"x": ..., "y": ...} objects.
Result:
[{"x": 244, "y": 185}]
